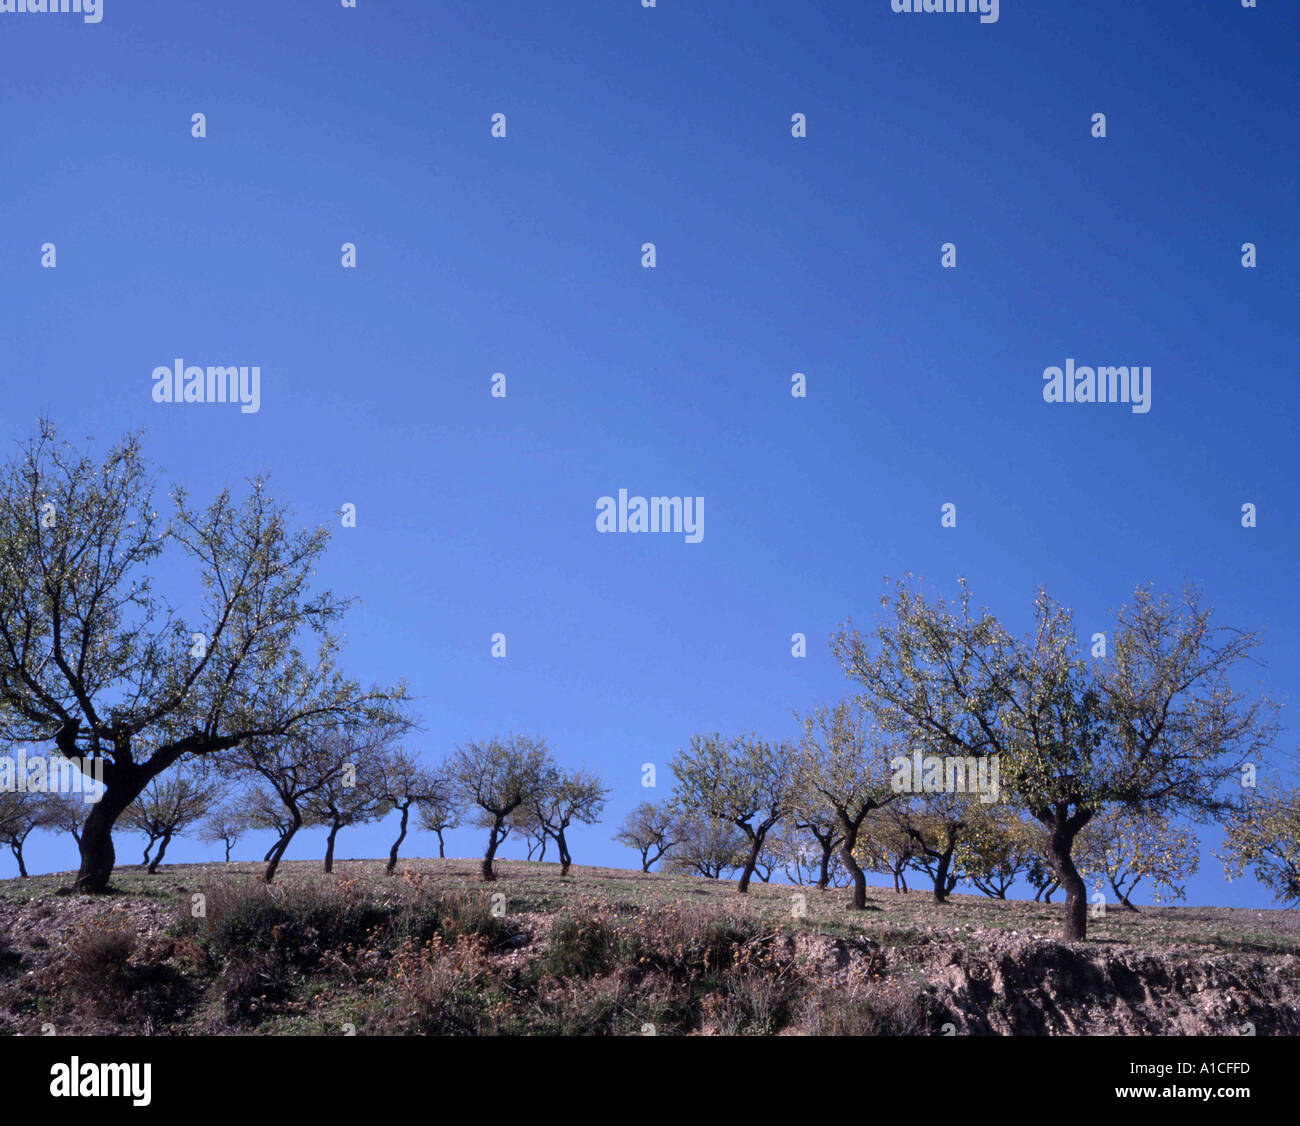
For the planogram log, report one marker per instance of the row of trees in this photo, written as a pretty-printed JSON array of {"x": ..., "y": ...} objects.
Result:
[
  {"x": 171, "y": 708},
  {"x": 1142, "y": 732},
  {"x": 245, "y": 682},
  {"x": 992, "y": 848},
  {"x": 342, "y": 779}
]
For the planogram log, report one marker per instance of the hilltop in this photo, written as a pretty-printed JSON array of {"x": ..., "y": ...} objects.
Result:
[{"x": 613, "y": 951}]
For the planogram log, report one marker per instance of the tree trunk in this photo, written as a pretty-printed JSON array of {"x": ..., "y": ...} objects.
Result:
[
  {"x": 228, "y": 844},
  {"x": 392, "y": 852},
  {"x": 493, "y": 841},
  {"x": 329, "y": 848},
  {"x": 566, "y": 861},
  {"x": 859, "y": 877},
  {"x": 97, "y": 853},
  {"x": 122, "y": 785},
  {"x": 751, "y": 862},
  {"x": 441, "y": 854},
  {"x": 824, "y": 873},
  {"x": 162, "y": 849},
  {"x": 277, "y": 853},
  {"x": 17, "y": 850},
  {"x": 1122, "y": 896},
  {"x": 1060, "y": 842}
]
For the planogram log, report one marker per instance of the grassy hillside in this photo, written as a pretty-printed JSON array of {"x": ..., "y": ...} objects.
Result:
[{"x": 611, "y": 951}]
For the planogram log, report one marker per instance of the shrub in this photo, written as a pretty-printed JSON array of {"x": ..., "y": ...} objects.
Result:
[
  {"x": 878, "y": 1012},
  {"x": 252, "y": 983},
  {"x": 10, "y": 959},
  {"x": 303, "y": 921},
  {"x": 96, "y": 957}
]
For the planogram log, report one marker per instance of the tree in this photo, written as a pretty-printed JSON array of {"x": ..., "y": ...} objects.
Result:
[
  {"x": 528, "y": 825},
  {"x": 438, "y": 814},
  {"x": 263, "y": 809},
  {"x": 707, "y": 846},
  {"x": 1124, "y": 849},
  {"x": 884, "y": 846},
  {"x": 498, "y": 776},
  {"x": 804, "y": 862},
  {"x": 1154, "y": 727},
  {"x": 843, "y": 760},
  {"x": 999, "y": 851},
  {"x": 649, "y": 828},
  {"x": 1263, "y": 833},
  {"x": 224, "y": 826},
  {"x": 810, "y": 814},
  {"x": 562, "y": 798},
  {"x": 23, "y": 812},
  {"x": 744, "y": 781},
  {"x": 70, "y": 813},
  {"x": 401, "y": 782},
  {"x": 94, "y": 661},
  {"x": 309, "y": 773},
  {"x": 348, "y": 798},
  {"x": 939, "y": 822},
  {"x": 168, "y": 808}
]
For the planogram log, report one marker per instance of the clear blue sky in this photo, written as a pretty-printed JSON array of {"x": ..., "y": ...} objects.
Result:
[{"x": 775, "y": 255}]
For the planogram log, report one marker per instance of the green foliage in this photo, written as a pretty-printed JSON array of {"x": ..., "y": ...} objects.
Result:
[
  {"x": 1263, "y": 834},
  {"x": 1124, "y": 849},
  {"x": 743, "y": 780},
  {"x": 651, "y": 829},
  {"x": 1155, "y": 727},
  {"x": 136, "y": 684}
]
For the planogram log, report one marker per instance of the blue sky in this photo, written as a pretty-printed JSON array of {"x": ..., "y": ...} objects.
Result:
[{"x": 775, "y": 255}]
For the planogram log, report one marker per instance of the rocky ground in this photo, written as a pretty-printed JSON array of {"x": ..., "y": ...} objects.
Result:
[{"x": 613, "y": 951}]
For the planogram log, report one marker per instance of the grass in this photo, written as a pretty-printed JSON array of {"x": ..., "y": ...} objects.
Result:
[{"x": 433, "y": 950}]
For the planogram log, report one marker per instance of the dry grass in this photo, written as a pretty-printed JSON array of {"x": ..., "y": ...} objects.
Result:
[{"x": 432, "y": 949}]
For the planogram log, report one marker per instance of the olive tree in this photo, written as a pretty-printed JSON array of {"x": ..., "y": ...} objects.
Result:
[
  {"x": 1263, "y": 834},
  {"x": 649, "y": 828},
  {"x": 744, "y": 781},
  {"x": 438, "y": 813},
  {"x": 224, "y": 826},
  {"x": 22, "y": 813},
  {"x": 497, "y": 777},
  {"x": 94, "y": 660},
  {"x": 401, "y": 783},
  {"x": 1154, "y": 726},
  {"x": 844, "y": 762},
  {"x": 562, "y": 798},
  {"x": 169, "y": 807}
]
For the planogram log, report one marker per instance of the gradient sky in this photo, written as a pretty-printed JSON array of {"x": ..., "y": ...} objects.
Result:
[{"x": 775, "y": 255}]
